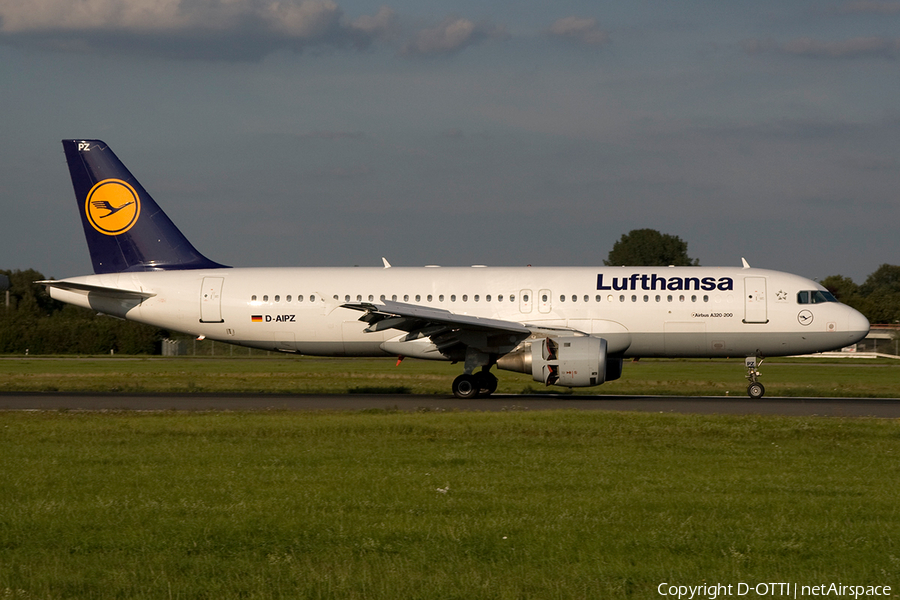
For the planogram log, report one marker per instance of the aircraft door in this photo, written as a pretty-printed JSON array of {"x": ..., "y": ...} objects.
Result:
[
  {"x": 755, "y": 300},
  {"x": 211, "y": 300},
  {"x": 545, "y": 301},
  {"x": 525, "y": 301}
]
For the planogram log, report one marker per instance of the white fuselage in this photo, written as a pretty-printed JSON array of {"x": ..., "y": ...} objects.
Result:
[{"x": 640, "y": 311}]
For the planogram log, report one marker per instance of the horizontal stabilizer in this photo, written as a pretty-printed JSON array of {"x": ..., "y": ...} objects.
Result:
[{"x": 107, "y": 292}]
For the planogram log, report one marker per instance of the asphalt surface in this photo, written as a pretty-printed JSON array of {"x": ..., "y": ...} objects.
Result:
[{"x": 887, "y": 408}]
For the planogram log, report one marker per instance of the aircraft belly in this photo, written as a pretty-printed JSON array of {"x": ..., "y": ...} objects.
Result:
[{"x": 685, "y": 344}]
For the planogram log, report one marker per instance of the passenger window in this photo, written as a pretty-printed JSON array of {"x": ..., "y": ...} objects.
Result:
[
  {"x": 646, "y": 298},
  {"x": 681, "y": 298},
  {"x": 266, "y": 298},
  {"x": 300, "y": 298},
  {"x": 312, "y": 298},
  {"x": 418, "y": 298},
  {"x": 705, "y": 298},
  {"x": 371, "y": 298},
  {"x": 359, "y": 297},
  {"x": 430, "y": 297},
  {"x": 347, "y": 298},
  {"x": 452, "y": 297},
  {"x": 288, "y": 299},
  {"x": 441, "y": 297},
  {"x": 621, "y": 297},
  {"x": 658, "y": 298},
  {"x": 525, "y": 298},
  {"x": 475, "y": 298},
  {"x": 487, "y": 298},
  {"x": 406, "y": 297},
  {"x": 253, "y": 298},
  {"x": 394, "y": 298},
  {"x": 561, "y": 298},
  {"x": 597, "y": 298},
  {"x": 669, "y": 297},
  {"x": 693, "y": 298},
  {"x": 634, "y": 297},
  {"x": 383, "y": 298},
  {"x": 512, "y": 298}
]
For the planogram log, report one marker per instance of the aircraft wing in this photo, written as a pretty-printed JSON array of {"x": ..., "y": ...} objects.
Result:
[{"x": 451, "y": 333}]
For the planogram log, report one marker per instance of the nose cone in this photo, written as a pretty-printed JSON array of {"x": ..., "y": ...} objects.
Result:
[{"x": 857, "y": 325}]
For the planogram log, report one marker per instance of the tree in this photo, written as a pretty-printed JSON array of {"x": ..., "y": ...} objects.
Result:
[
  {"x": 878, "y": 298},
  {"x": 885, "y": 279},
  {"x": 649, "y": 248},
  {"x": 882, "y": 292},
  {"x": 843, "y": 288},
  {"x": 37, "y": 323}
]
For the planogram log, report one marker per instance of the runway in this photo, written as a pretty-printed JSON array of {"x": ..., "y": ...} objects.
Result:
[{"x": 887, "y": 408}]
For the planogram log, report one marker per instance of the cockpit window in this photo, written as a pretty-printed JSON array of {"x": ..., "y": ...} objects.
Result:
[{"x": 814, "y": 297}]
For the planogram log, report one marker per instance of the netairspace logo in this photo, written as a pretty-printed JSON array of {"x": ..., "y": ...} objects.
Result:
[{"x": 771, "y": 590}]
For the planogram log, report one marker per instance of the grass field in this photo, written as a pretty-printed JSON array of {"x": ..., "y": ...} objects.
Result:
[
  {"x": 440, "y": 505},
  {"x": 782, "y": 377}
]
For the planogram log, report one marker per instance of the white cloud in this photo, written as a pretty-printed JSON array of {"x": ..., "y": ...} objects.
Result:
[
  {"x": 450, "y": 36},
  {"x": 581, "y": 30},
  {"x": 871, "y": 7},
  {"x": 868, "y": 47},
  {"x": 207, "y": 28}
]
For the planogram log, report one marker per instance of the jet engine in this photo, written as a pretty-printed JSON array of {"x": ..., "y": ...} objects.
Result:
[{"x": 576, "y": 361}]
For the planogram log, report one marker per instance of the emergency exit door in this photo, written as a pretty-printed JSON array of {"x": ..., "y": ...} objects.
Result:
[
  {"x": 755, "y": 300},
  {"x": 211, "y": 300}
]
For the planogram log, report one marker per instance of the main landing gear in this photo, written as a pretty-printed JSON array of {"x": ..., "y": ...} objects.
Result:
[
  {"x": 472, "y": 384},
  {"x": 755, "y": 390},
  {"x": 475, "y": 385}
]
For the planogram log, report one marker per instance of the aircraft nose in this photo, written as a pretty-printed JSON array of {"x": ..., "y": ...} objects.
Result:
[{"x": 857, "y": 325}]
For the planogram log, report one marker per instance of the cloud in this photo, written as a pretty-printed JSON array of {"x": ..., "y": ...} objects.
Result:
[
  {"x": 332, "y": 135},
  {"x": 581, "y": 30},
  {"x": 449, "y": 37},
  {"x": 854, "y": 48},
  {"x": 227, "y": 29},
  {"x": 870, "y": 7}
]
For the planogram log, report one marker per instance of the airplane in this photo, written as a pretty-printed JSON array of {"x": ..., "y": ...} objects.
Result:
[{"x": 564, "y": 326}]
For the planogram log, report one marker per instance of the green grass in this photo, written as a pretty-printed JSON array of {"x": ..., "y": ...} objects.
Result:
[
  {"x": 782, "y": 377},
  {"x": 440, "y": 505}
]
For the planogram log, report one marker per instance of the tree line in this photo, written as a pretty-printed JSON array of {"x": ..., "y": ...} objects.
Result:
[{"x": 35, "y": 323}]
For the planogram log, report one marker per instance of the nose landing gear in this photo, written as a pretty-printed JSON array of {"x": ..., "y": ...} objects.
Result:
[{"x": 755, "y": 390}]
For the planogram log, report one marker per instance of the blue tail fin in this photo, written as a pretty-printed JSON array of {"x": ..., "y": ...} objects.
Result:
[{"x": 125, "y": 229}]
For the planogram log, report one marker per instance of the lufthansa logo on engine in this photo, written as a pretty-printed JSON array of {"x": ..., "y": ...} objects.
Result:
[{"x": 112, "y": 207}]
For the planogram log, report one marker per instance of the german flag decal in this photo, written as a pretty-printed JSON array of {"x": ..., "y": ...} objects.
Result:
[{"x": 256, "y": 318}]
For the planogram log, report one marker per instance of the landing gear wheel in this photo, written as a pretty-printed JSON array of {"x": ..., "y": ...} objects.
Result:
[
  {"x": 487, "y": 383},
  {"x": 466, "y": 386},
  {"x": 756, "y": 390}
]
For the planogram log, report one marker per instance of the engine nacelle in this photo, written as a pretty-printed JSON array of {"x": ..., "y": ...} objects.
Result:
[{"x": 576, "y": 361}]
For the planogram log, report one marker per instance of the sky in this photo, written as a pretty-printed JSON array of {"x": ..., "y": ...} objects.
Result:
[{"x": 332, "y": 133}]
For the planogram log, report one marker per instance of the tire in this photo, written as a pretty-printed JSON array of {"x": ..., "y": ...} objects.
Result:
[
  {"x": 487, "y": 384},
  {"x": 756, "y": 390},
  {"x": 466, "y": 386}
]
